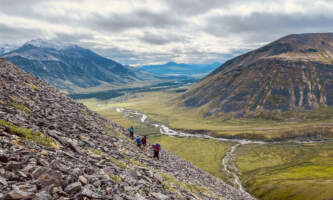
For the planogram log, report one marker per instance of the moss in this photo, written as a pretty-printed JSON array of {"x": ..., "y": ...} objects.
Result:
[
  {"x": 84, "y": 112},
  {"x": 109, "y": 126},
  {"x": 109, "y": 133},
  {"x": 135, "y": 162},
  {"x": 28, "y": 134},
  {"x": 96, "y": 151},
  {"x": 171, "y": 179},
  {"x": 21, "y": 107},
  {"x": 118, "y": 163},
  {"x": 115, "y": 178},
  {"x": 32, "y": 86},
  {"x": 196, "y": 188},
  {"x": 169, "y": 188},
  {"x": 192, "y": 188}
]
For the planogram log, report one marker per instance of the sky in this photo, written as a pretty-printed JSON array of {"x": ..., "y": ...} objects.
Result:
[{"x": 138, "y": 32}]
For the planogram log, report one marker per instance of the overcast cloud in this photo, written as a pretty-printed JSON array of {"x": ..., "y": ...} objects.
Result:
[{"x": 140, "y": 32}]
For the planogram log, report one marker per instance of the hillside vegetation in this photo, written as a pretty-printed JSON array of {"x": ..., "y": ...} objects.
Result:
[
  {"x": 160, "y": 106},
  {"x": 287, "y": 171}
]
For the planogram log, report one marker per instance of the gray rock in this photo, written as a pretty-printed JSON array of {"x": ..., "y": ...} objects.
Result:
[
  {"x": 27, "y": 188},
  {"x": 158, "y": 177},
  {"x": 43, "y": 195},
  {"x": 83, "y": 180},
  {"x": 88, "y": 193},
  {"x": 46, "y": 176},
  {"x": 2, "y": 196},
  {"x": 139, "y": 197},
  {"x": 18, "y": 194},
  {"x": 159, "y": 196},
  {"x": 73, "y": 188},
  {"x": 3, "y": 181},
  {"x": 76, "y": 171},
  {"x": 15, "y": 165}
]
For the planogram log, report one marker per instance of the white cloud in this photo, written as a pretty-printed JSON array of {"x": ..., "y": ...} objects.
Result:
[{"x": 152, "y": 31}]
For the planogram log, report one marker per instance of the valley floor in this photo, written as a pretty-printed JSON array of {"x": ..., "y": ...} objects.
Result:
[{"x": 271, "y": 171}]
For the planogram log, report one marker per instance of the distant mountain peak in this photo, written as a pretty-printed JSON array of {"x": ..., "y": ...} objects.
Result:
[
  {"x": 171, "y": 63},
  {"x": 292, "y": 73},
  {"x": 70, "y": 67},
  {"x": 52, "y": 44}
]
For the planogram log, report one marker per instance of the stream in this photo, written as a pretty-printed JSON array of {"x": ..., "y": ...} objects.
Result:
[{"x": 227, "y": 161}]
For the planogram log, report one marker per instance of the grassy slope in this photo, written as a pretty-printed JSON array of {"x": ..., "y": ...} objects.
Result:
[
  {"x": 160, "y": 107},
  {"x": 287, "y": 171}
]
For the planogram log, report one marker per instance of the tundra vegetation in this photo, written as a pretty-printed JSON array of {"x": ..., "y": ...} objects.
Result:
[{"x": 268, "y": 171}]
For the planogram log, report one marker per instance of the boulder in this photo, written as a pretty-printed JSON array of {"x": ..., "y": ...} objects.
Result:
[
  {"x": 83, "y": 180},
  {"x": 73, "y": 188},
  {"x": 18, "y": 194}
]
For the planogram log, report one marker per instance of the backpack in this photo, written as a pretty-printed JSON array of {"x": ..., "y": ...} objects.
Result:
[{"x": 158, "y": 146}]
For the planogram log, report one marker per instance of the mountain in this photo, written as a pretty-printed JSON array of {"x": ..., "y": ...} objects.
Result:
[
  {"x": 52, "y": 147},
  {"x": 292, "y": 73},
  {"x": 181, "y": 69},
  {"x": 6, "y": 48},
  {"x": 69, "y": 66}
]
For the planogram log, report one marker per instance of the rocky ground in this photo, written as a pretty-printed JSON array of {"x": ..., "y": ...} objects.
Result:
[{"x": 54, "y": 148}]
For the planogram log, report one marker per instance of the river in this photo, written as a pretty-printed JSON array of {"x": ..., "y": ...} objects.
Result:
[{"x": 227, "y": 161}]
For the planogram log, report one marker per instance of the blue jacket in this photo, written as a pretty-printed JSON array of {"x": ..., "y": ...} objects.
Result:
[{"x": 138, "y": 140}]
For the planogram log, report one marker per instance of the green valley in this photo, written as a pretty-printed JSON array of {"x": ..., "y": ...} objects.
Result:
[{"x": 285, "y": 170}]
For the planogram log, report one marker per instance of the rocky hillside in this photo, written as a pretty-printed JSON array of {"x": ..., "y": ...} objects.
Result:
[
  {"x": 54, "y": 148},
  {"x": 292, "y": 73},
  {"x": 69, "y": 67}
]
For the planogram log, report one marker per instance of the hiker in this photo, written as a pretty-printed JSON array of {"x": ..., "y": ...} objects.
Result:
[
  {"x": 144, "y": 141},
  {"x": 157, "y": 148},
  {"x": 138, "y": 141},
  {"x": 131, "y": 131}
]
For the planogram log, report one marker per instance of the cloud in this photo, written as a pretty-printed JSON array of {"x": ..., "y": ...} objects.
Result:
[
  {"x": 149, "y": 31},
  {"x": 17, "y": 35},
  {"x": 264, "y": 27},
  {"x": 161, "y": 38},
  {"x": 72, "y": 38},
  {"x": 138, "y": 19},
  {"x": 194, "y": 7}
]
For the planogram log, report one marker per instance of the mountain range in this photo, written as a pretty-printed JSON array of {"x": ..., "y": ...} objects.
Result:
[
  {"x": 181, "y": 69},
  {"x": 291, "y": 73},
  {"x": 69, "y": 67}
]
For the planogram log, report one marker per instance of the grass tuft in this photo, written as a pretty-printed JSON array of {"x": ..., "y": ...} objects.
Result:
[
  {"x": 115, "y": 178},
  {"x": 28, "y": 134},
  {"x": 21, "y": 107},
  {"x": 96, "y": 152},
  {"x": 118, "y": 163},
  {"x": 32, "y": 86}
]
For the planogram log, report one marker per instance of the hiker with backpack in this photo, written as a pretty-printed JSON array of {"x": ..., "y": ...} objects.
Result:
[
  {"x": 138, "y": 141},
  {"x": 131, "y": 131},
  {"x": 144, "y": 141},
  {"x": 157, "y": 148}
]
